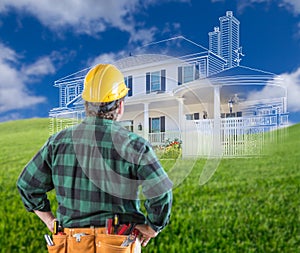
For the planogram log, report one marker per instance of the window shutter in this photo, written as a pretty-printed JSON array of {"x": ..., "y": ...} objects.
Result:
[
  {"x": 163, "y": 79},
  {"x": 130, "y": 92},
  {"x": 179, "y": 75},
  {"x": 162, "y": 124},
  {"x": 147, "y": 82},
  {"x": 150, "y": 127},
  {"x": 196, "y": 71}
]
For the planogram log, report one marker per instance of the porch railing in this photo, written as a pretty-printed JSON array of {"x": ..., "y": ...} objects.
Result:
[{"x": 157, "y": 139}]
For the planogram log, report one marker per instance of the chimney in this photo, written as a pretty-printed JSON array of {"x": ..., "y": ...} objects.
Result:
[
  {"x": 216, "y": 29},
  {"x": 229, "y": 14}
]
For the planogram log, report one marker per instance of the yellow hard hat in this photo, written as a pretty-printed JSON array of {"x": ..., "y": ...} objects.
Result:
[{"x": 104, "y": 83}]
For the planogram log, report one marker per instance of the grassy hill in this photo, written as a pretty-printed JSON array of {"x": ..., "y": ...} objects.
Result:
[{"x": 249, "y": 205}]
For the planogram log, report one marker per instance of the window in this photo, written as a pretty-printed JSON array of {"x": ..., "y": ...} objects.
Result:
[
  {"x": 189, "y": 116},
  {"x": 156, "y": 81},
  {"x": 157, "y": 125},
  {"x": 71, "y": 93},
  {"x": 192, "y": 116},
  {"x": 78, "y": 89},
  {"x": 128, "y": 82},
  {"x": 188, "y": 73}
]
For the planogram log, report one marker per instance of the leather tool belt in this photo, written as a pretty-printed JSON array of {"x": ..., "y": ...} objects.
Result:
[{"x": 91, "y": 240}]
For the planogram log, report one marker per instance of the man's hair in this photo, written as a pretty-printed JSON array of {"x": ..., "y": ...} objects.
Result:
[{"x": 103, "y": 110}]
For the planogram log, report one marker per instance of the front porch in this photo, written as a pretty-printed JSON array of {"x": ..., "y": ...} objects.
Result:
[{"x": 229, "y": 137}]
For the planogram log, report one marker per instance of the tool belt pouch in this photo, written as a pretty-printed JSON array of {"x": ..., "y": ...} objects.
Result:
[
  {"x": 72, "y": 244},
  {"x": 112, "y": 244},
  {"x": 60, "y": 244},
  {"x": 81, "y": 244}
]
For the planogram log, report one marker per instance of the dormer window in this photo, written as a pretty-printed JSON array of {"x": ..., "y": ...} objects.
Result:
[
  {"x": 188, "y": 73},
  {"x": 72, "y": 93}
]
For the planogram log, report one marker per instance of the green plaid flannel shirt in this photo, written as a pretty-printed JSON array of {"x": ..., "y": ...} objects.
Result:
[{"x": 98, "y": 168}]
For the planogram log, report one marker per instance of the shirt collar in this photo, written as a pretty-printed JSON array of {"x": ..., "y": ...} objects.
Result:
[{"x": 97, "y": 121}]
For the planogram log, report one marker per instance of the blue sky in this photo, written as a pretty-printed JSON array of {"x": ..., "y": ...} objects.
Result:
[{"x": 42, "y": 41}]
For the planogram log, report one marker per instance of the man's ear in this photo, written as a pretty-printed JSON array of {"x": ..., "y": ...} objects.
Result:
[{"x": 121, "y": 108}]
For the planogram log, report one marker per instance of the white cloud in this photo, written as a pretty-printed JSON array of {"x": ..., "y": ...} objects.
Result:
[
  {"x": 243, "y": 4},
  {"x": 291, "y": 83},
  {"x": 292, "y": 5},
  {"x": 106, "y": 58},
  {"x": 88, "y": 17},
  {"x": 42, "y": 66},
  {"x": 14, "y": 78},
  {"x": 145, "y": 35},
  {"x": 8, "y": 55},
  {"x": 70, "y": 12},
  {"x": 13, "y": 92}
]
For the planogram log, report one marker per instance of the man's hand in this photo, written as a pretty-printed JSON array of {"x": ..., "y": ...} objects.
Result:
[{"x": 146, "y": 233}]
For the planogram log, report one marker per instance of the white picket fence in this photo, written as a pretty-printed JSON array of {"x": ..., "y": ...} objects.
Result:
[{"x": 229, "y": 137}]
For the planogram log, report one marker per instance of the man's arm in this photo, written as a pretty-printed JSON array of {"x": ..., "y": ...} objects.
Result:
[
  {"x": 33, "y": 184},
  {"x": 158, "y": 210},
  {"x": 47, "y": 217}
]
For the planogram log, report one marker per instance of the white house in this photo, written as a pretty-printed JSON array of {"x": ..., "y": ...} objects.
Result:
[{"x": 181, "y": 90}]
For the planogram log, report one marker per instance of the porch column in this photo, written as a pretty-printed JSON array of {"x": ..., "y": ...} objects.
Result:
[
  {"x": 180, "y": 113},
  {"x": 146, "y": 121},
  {"x": 217, "y": 149}
]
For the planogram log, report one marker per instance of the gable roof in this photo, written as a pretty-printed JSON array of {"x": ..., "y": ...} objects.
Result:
[
  {"x": 177, "y": 48},
  {"x": 138, "y": 60},
  {"x": 243, "y": 74},
  {"x": 77, "y": 77}
]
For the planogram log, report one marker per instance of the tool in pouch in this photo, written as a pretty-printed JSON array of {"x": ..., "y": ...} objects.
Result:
[
  {"x": 113, "y": 226},
  {"x": 48, "y": 240},
  {"x": 78, "y": 236},
  {"x": 57, "y": 230},
  {"x": 133, "y": 233}
]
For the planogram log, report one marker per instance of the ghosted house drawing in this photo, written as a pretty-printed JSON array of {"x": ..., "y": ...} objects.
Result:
[{"x": 182, "y": 90}]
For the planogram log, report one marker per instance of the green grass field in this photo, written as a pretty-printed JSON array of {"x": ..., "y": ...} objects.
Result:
[{"x": 249, "y": 205}]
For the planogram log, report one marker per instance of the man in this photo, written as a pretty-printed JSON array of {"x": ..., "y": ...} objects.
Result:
[{"x": 97, "y": 167}]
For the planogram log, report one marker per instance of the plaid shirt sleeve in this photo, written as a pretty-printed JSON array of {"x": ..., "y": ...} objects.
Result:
[
  {"x": 35, "y": 181},
  {"x": 159, "y": 210}
]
